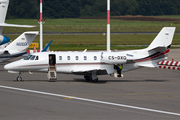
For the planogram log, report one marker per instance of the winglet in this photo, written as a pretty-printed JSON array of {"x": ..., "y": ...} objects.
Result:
[
  {"x": 85, "y": 50},
  {"x": 47, "y": 46}
]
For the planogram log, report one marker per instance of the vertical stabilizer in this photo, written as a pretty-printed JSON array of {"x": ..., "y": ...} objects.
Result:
[
  {"x": 163, "y": 39},
  {"x": 159, "y": 48},
  {"x": 22, "y": 42},
  {"x": 3, "y": 11}
]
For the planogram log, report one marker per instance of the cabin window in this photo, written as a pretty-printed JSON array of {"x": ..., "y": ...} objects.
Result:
[
  {"x": 37, "y": 58},
  {"x": 33, "y": 57},
  {"x": 27, "y": 58},
  {"x": 77, "y": 58},
  {"x": 68, "y": 57},
  {"x": 85, "y": 58},
  {"x": 60, "y": 57},
  {"x": 95, "y": 57}
]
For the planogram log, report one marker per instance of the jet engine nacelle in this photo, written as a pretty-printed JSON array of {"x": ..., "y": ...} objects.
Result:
[
  {"x": 4, "y": 39},
  {"x": 114, "y": 58}
]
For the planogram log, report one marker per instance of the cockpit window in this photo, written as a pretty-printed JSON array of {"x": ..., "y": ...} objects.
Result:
[
  {"x": 27, "y": 58},
  {"x": 33, "y": 57}
]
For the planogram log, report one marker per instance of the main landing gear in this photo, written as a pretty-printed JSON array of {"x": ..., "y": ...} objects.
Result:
[
  {"x": 91, "y": 77},
  {"x": 19, "y": 78}
]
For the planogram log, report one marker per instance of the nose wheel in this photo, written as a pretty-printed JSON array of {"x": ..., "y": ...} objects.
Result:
[{"x": 19, "y": 78}]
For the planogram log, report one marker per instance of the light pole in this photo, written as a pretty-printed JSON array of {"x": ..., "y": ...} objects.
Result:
[
  {"x": 108, "y": 26},
  {"x": 41, "y": 22}
]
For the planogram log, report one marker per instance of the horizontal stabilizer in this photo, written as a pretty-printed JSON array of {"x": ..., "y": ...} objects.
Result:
[
  {"x": 150, "y": 65},
  {"x": 14, "y": 25},
  {"x": 159, "y": 49}
]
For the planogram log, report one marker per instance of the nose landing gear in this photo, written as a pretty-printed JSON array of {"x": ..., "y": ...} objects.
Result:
[{"x": 19, "y": 78}]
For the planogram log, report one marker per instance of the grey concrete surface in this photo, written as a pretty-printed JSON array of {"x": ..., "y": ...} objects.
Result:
[{"x": 156, "y": 89}]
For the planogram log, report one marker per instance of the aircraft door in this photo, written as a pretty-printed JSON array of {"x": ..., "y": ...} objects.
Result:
[
  {"x": 52, "y": 59},
  {"x": 52, "y": 75}
]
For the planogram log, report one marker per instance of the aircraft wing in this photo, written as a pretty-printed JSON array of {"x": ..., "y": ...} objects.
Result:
[
  {"x": 85, "y": 70},
  {"x": 89, "y": 71},
  {"x": 7, "y": 55}
]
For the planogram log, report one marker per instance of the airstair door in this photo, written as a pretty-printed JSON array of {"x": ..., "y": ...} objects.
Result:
[{"x": 52, "y": 67}]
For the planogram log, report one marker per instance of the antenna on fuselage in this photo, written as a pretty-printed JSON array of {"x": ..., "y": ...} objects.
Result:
[{"x": 108, "y": 26}]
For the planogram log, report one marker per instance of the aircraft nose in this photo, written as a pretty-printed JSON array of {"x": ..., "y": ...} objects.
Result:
[{"x": 8, "y": 67}]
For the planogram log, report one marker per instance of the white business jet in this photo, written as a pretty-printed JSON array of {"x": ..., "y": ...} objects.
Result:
[
  {"x": 18, "y": 47},
  {"x": 91, "y": 64},
  {"x": 3, "y": 11}
]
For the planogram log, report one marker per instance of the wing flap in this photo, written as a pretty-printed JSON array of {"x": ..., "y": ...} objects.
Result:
[{"x": 86, "y": 70}]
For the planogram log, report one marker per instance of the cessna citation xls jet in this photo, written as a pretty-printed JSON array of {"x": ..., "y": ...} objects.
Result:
[{"x": 92, "y": 64}]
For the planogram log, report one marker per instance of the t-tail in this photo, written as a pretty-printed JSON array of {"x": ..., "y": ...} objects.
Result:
[
  {"x": 22, "y": 42},
  {"x": 158, "y": 49},
  {"x": 3, "y": 11}
]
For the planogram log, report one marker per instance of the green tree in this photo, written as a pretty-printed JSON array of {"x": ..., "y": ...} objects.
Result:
[
  {"x": 77, "y": 8},
  {"x": 61, "y": 8},
  {"x": 171, "y": 7},
  {"x": 22, "y": 9},
  {"x": 87, "y": 7},
  {"x": 158, "y": 7},
  {"x": 123, "y": 7}
]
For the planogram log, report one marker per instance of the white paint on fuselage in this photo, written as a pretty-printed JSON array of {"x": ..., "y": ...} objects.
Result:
[{"x": 93, "y": 61}]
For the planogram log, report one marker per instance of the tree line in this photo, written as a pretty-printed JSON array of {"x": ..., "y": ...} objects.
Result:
[{"x": 91, "y": 8}]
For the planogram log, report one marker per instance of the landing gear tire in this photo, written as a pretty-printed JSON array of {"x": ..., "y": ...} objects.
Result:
[
  {"x": 19, "y": 79},
  {"x": 88, "y": 78},
  {"x": 95, "y": 80}
]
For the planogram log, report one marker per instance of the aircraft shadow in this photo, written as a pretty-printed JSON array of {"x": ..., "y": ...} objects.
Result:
[
  {"x": 108, "y": 81},
  {"x": 84, "y": 81}
]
